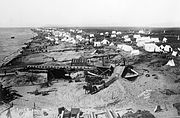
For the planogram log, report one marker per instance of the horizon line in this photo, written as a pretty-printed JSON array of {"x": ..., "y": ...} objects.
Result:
[{"x": 90, "y": 26}]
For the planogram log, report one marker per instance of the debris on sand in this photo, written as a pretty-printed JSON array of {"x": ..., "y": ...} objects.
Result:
[
  {"x": 60, "y": 66},
  {"x": 138, "y": 114}
]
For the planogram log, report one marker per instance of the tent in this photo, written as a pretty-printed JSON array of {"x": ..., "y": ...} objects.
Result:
[
  {"x": 167, "y": 48},
  {"x": 113, "y": 35},
  {"x": 105, "y": 42},
  {"x": 147, "y": 39},
  {"x": 111, "y": 44},
  {"x": 127, "y": 40},
  {"x": 136, "y": 36},
  {"x": 106, "y": 33},
  {"x": 118, "y": 33},
  {"x": 171, "y": 63},
  {"x": 125, "y": 47},
  {"x": 174, "y": 53},
  {"x": 56, "y": 41},
  {"x": 73, "y": 41},
  {"x": 155, "y": 40},
  {"x": 161, "y": 47},
  {"x": 91, "y": 40},
  {"x": 164, "y": 39},
  {"x": 113, "y": 32},
  {"x": 91, "y": 35},
  {"x": 135, "y": 52},
  {"x": 158, "y": 49},
  {"x": 151, "y": 47},
  {"x": 97, "y": 44},
  {"x": 141, "y": 31},
  {"x": 101, "y": 34},
  {"x": 140, "y": 44},
  {"x": 125, "y": 36},
  {"x": 143, "y": 39}
]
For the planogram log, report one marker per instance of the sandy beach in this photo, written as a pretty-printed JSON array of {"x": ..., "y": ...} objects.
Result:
[{"x": 157, "y": 83}]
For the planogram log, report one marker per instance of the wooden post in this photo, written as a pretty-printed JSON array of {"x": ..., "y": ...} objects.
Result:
[{"x": 103, "y": 61}]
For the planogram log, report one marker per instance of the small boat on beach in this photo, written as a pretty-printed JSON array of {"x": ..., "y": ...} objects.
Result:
[{"x": 12, "y": 37}]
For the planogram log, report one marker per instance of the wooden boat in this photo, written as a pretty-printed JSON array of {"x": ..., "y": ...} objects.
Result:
[
  {"x": 129, "y": 73},
  {"x": 12, "y": 37}
]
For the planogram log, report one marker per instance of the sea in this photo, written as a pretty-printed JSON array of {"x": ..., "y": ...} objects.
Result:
[{"x": 10, "y": 46}]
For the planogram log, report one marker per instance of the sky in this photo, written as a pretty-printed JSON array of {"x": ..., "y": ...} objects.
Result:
[{"x": 138, "y": 13}]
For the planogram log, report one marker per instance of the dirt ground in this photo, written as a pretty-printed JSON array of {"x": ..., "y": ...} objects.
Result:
[{"x": 145, "y": 93}]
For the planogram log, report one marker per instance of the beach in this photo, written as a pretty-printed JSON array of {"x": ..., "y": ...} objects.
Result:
[{"x": 157, "y": 83}]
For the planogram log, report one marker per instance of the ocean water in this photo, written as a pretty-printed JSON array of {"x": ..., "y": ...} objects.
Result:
[{"x": 8, "y": 46}]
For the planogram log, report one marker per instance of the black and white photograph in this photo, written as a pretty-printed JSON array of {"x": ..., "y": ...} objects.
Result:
[{"x": 89, "y": 58}]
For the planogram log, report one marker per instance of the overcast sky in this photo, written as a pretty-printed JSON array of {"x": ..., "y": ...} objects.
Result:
[{"x": 18, "y": 13}]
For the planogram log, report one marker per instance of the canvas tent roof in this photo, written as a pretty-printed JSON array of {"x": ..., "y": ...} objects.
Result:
[
  {"x": 105, "y": 42},
  {"x": 113, "y": 35},
  {"x": 101, "y": 34},
  {"x": 125, "y": 47},
  {"x": 140, "y": 44},
  {"x": 113, "y": 32},
  {"x": 111, "y": 44},
  {"x": 97, "y": 44},
  {"x": 127, "y": 40},
  {"x": 170, "y": 63},
  {"x": 118, "y": 33},
  {"x": 147, "y": 39},
  {"x": 136, "y": 36},
  {"x": 174, "y": 53},
  {"x": 135, "y": 52},
  {"x": 151, "y": 47},
  {"x": 164, "y": 39},
  {"x": 167, "y": 48}
]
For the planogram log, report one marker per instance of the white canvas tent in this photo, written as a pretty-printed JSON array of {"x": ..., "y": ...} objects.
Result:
[
  {"x": 136, "y": 36},
  {"x": 113, "y": 35},
  {"x": 151, "y": 47},
  {"x": 155, "y": 40},
  {"x": 140, "y": 44},
  {"x": 161, "y": 47},
  {"x": 91, "y": 35},
  {"x": 97, "y": 44},
  {"x": 118, "y": 33},
  {"x": 164, "y": 39},
  {"x": 135, "y": 52},
  {"x": 101, "y": 34},
  {"x": 174, "y": 53},
  {"x": 56, "y": 41},
  {"x": 167, "y": 48},
  {"x": 111, "y": 44},
  {"x": 143, "y": 39},
  {"x": 113, "y": 32},
  {"x": 170, "y": 63},
  {"x": 105, "y": 42},
  {"x": 91, "y": 40},
  {"x": 147, "y": 39},
  {"x": 127, "y": 40},
  {"x": 124, "y": 47},
  {"x": 106, "y": 33}
]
